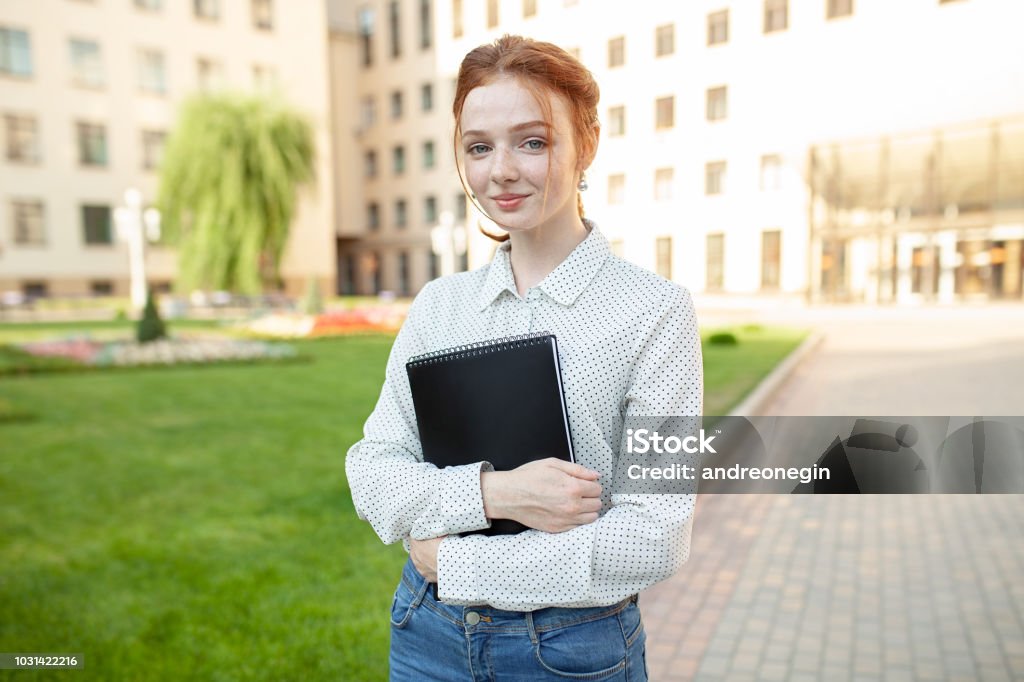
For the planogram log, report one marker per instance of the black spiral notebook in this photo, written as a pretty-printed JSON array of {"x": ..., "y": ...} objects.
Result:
[{"x": 499, "y": 401}]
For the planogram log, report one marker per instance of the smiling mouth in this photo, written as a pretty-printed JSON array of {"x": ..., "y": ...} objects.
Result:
[{"x": 509, "y": 202}]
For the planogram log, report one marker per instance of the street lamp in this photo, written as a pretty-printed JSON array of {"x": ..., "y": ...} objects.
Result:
[
  {"x": 135, "y": 226},
  {"x": 448, "y": 242}
]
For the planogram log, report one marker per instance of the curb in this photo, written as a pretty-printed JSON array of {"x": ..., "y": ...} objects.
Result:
[{"x": 764, "y": 391}]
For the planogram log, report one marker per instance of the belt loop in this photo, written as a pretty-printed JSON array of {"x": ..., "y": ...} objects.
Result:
[{"x": 530, "y": 628}]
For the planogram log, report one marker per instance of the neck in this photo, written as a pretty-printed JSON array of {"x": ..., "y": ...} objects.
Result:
[{"x": 538, "y": 251}]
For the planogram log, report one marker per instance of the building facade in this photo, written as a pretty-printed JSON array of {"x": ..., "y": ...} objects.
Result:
[
  {"x": 89, "y": 90},
  {"x": 823, "y": 150}
]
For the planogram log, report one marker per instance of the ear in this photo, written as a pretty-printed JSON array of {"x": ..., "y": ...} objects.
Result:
[{"x": 587, "y": 157}]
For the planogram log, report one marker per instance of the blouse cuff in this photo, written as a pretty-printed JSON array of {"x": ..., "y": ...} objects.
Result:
[
  {"x": 456, "y": 570},
  {"x": 459, "y": 503}
]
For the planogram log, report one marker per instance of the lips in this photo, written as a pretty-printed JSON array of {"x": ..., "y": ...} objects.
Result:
[{"x": 508, "y": 202}]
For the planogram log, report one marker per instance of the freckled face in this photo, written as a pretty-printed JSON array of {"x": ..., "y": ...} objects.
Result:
[{"x": 505, "y": 148}]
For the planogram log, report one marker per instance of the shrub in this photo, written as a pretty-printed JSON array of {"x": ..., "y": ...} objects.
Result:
[
  {"x": 150, "y": 327},
  {"x": 723, "y": 339}
]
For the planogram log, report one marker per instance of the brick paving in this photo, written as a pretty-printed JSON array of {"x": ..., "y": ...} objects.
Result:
[{"x": 893, "y": 587}]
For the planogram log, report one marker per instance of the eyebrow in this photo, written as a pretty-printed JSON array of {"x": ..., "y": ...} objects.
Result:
[{"x": 521, "y": 126}]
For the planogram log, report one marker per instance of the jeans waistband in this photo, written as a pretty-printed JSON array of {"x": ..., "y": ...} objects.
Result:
[{"x": 541, "y": 619}]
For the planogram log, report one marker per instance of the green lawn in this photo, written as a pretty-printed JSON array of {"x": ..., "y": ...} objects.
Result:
[{"x": 195, "y": 523}]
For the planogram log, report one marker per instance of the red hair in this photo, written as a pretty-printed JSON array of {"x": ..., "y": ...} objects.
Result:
[{"x": 542, "y": 68}]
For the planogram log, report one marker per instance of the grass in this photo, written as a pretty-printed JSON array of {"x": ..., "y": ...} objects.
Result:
[{"x": 196, "y": 523}]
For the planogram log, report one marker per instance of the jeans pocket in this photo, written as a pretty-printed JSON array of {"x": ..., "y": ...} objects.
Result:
[
  {"x": 402, "y": 606},
  {"x": 632, "y": 624},
  {"x": 591, "y": 650}
]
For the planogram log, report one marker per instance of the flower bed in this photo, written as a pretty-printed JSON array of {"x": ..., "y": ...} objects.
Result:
[
  {"x": 84, "y": 353},
  {"x": 386, "y": 319}
]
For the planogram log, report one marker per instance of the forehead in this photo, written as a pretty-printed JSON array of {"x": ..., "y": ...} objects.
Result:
[{"x": 505, "y": 102}]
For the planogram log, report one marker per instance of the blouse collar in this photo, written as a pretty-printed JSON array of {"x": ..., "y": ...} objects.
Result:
[{"x": 564, "y": 284}]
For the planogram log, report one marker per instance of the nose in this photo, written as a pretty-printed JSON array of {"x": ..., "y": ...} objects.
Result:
[{"x": 503, "y": 167}]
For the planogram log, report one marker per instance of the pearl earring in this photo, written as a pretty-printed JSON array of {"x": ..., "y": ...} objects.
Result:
[{"x": 583, "y": 186}]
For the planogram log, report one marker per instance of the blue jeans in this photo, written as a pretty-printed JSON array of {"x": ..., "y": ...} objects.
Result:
[{"x": 431, "y": 640}]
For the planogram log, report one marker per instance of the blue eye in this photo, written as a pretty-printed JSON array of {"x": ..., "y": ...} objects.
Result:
[
  {"x": 536, "y": 145},
  {"x": 477, "y": 149}
]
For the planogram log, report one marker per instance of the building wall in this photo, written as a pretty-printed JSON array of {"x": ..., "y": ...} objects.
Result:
[
  {"x": 295, "y": 50},
  {"x": 885, "y": 69}
]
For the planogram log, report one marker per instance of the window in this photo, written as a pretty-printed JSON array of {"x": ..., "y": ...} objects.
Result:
[
  {"x": 366, "y": 35},
  {"x": 426, "y": 26},
  {"x": 430, "y": 210},
  {"x": 206, "y": 9},
  {"x": 663, "y": 256},
  {"x": 460, "y": 206},
  {"x": 153, "y": 143},
  {"x": 718, "y": 27},
  {"x": 376, "y": 266},
  {"x": 96, "y": 225},
  {"x": 665, "y": 112},
  {"x": 428, "y": 154},
  {"x": 263, "y": 14},
  {"x": 529, "y": 8},
  {"x": 456, "y": 18},
  {"x": 492, "y": 13},
  {"x": 427, "y": 97},
  {"x": 368, "y": 111},
  {"x": 92, "y": 144},
  {"x": 616, "y": 121},
  {"x": 403, "y": 273},
  {"x": 839, "y": 8},
  {"x": 22, "y": 133},
  {"x": 394, "y": 34},
  {"x": 616, "y": 188},
  {"x": 401, "y": 214},
  {"x": 264, "y": 78},
  {"x": 775, "y": 15},
  {"x": 714, "y": 177},
  {"x": 433, "y": 264},
  {"x": 149, "y": 5},
  {"x": 716, "y": 104},
  {"x": 396, "y": 104},
  {"x": 151, "y": 72},
  {"x": 663, "y": 180},
  {"x": 771, "y": 258},
  {"x": 86, "y": 63},
  {"x": 398, "y": 159},
  {"x": 370, "y": 164},
  {"x": 771, "y": 172},
  {"x": 209, "y": 74},
  {"x": 616, "y": 51},
  {"x": 15, "y": 52},
  {"x": 101, "y": 287},
  {"x": 35, "y": 290},
  {"x": 27, "y": 219},
  {"x": 664, "y": 40},
  {"x": 373, "y": 216},
  {"x": 715, "y": 276}
]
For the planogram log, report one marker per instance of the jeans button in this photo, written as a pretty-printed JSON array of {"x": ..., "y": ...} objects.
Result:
[{"x": 472, "y": 618}]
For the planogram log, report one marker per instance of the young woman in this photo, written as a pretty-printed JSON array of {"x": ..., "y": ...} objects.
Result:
[{"x": 559, "y": 600}]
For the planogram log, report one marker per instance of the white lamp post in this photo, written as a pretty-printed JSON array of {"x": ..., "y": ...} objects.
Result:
[
  {"x": 448, "y": 242},
  {"x": 130, "y": 221}
]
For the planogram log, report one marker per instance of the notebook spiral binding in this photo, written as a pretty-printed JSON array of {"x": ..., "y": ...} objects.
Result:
[{"x": 478, "y": 348}]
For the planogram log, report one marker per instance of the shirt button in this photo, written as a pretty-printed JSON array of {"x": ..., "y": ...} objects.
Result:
[{"x": 472, "y": 618}]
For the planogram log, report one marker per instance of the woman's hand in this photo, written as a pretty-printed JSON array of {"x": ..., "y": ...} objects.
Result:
[
  {"x": 550, "y": 494},
  {"x": 424, "y": 556}
]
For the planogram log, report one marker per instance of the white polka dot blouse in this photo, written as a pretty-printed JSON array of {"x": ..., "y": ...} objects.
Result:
[{"x": 628, "y": 346}]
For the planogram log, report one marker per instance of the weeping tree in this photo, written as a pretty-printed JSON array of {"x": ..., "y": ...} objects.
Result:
[{"x": 229, "y": 185}]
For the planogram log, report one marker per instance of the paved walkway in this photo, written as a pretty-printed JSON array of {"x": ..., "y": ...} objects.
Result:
[{"x": 893, "y": 587}]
